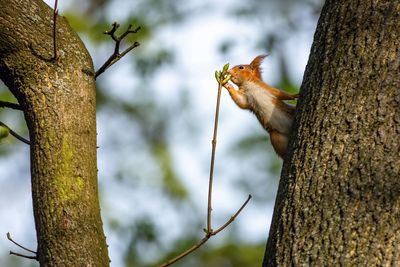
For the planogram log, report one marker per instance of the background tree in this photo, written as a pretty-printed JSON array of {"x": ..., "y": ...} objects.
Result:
[
  {"x": 338, "y": 200},
  {"x": 57, "y": 96}
]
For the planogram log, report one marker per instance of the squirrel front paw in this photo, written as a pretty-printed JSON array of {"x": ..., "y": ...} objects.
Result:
[{"x": 228, "y": 86}]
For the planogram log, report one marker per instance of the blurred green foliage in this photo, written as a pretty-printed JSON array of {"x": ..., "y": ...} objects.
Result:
[{"x": 170, "y": 181}]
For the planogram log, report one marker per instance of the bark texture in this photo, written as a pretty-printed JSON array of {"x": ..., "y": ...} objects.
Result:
[
  {"x": 338, "y": 202},
  {"x": 58, "y": 100}
]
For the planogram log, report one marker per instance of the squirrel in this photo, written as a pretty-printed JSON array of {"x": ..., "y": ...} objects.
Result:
[{"x": 264, "y": 101}]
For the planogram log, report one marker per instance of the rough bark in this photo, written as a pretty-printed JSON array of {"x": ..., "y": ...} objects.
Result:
[
  {"x": 58, "y": 100},
  {"x": 338, "y": 202}
]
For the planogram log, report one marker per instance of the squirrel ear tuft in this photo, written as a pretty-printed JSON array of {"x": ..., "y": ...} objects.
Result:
[
  {"x": 257, "y": 61},
  {"x": 255, "y": 65}
]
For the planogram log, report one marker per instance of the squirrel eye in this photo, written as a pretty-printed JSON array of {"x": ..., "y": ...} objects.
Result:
[{"x": 241, "y": 67}]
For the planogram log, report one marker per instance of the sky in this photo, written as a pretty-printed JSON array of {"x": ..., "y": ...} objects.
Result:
[{"x": 196, "y": 42}]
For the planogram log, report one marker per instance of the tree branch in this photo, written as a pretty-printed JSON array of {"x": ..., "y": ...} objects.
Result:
[
  {"x": 187, "y": 252},
  {"x": 213, "y": 149},
  {"x": 5, "y": 104},
  {"x": 232, "y": 217},
  {"x": 206, "y": 237},
  {"x": 20, "y": 138},
  {"x": 117, "y": 55},
  {"x": 222, "y": 78},
  {"x": 24, "y": 248},
  {"x": 23, "y": 256},
  {"x": 55, "y": 13}
]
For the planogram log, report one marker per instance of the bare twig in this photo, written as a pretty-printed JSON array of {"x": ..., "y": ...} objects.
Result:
[
  {"x": 5, "y": 104},
  {"x": 24, "y": 248},
  {"x": 15, "y": 243},
  {"x": 213, "y": 149},
  {"x": 206, "y": 237},
  {"x": 23, "y": 256},
  {"x": 20, "y": 138},
  {"x": 116, "y": 54},
  {"x": 222, "y": 78},
  {"x": 55, "y": 13},
  {"x": 231, "y": 219},
  {"x": 187, "y": 252}
]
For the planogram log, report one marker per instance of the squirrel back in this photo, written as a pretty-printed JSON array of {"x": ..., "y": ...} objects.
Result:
[{"x": 264, "y": 101}]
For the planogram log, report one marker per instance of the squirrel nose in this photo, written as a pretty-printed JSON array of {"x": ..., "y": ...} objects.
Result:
[{"x": 229, "y": 71}]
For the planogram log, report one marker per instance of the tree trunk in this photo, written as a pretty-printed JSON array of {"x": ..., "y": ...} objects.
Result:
[
  {"x": 338, "y": 202},
  {"x": 58, "y": 100}
]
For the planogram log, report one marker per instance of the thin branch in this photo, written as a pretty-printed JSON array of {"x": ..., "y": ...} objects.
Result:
[
  {"x": 206, "y": 237},
  {"x": 24, "y": 256},
  {"x": 187, "y": 252},
  {"x": 116, "y": 54},
  {"x": 233, "y": 217},
  {"x": 20, "y": 138},
  {"x": 5, "y": 104},
  {"x": 15, "y": 243},
  {"x": 222, "y": 78},
  {"x": 55, "y": 13},
  {"x": 213, "y": 149}
]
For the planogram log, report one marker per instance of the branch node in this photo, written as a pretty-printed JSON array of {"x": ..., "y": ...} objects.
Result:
[{"x": 111, "y": 32}]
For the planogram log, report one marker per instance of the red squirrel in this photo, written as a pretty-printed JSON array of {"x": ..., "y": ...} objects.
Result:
[{"x": 264, "y": 101}]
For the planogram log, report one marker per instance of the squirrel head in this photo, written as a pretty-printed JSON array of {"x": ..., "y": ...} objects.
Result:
[{"x": 243, "y": 73}]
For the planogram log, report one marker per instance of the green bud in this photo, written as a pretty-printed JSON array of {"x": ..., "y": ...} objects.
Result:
[
  {"x": 226, "y": 67},
  {"x": 227, "y": 78},
  {"x": 3, "y": 132},
  {"x": 217, "y": 75}
]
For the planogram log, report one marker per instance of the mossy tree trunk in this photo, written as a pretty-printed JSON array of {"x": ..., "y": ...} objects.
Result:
[
  {"x": 338, "y": 202},
  {"x": 58, "y": 101}
]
